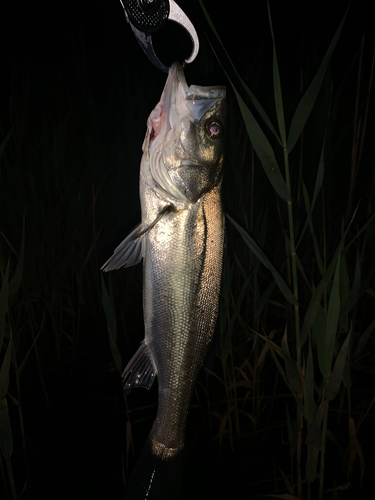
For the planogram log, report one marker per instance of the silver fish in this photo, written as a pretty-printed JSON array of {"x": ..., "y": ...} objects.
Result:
[{"x": 181, "y": 240}]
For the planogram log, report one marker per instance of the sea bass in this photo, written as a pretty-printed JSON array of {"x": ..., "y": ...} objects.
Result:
[{"x": 180, "y": 239}]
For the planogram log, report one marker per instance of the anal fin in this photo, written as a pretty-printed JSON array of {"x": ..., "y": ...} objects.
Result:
[{"x": 139, "y": 372}]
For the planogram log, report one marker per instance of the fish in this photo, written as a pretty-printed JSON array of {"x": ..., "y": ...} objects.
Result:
[{"x": 181, "y": 241}]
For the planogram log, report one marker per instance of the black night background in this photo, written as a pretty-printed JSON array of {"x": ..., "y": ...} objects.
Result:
[{"x": 76, "y": 91}]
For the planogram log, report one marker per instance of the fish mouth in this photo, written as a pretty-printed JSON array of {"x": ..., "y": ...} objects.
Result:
[
  {"x": 193, "y": 100},
  {"x": 180, "y": 100}
]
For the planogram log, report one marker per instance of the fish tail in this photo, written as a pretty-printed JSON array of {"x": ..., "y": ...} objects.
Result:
[{"x": 155, "y": 478}]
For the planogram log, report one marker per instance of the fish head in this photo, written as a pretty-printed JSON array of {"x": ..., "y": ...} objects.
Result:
[{"x": 185, "y": 138}]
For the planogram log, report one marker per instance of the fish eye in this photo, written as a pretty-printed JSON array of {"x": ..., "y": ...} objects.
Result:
[{"x": 214, "y": 129}]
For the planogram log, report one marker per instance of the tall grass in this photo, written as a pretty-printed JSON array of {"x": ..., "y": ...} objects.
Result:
[{"x": 315, "y": 278}]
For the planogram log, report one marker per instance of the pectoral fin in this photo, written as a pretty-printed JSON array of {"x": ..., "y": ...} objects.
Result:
[
  {"x": 129, "y": 252},
  {"x": 139, "y": 372}
]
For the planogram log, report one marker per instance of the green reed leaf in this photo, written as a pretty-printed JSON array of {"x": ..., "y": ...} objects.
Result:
[
  {"x": 307, "y": 101},
  {"x": 320, "y": 328},
  {"x": 314, "y": 303},
  {"x": 334, "y": 382},
  {"x": 325, "y": 338},
  {"x": 353, "y": 295},
  {"x": 332, "y": 321},
  {"x": 285, "y": 290},
  {"x": 282, "y": 372},
  {"x": 308, "y": 387},
  {"x": 264, "y": 150}
]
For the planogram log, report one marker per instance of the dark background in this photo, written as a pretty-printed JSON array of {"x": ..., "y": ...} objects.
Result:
[{"x": 76, "y": 439}]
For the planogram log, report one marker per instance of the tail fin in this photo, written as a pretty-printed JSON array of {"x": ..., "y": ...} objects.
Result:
[{"x": 154, "y": 478}]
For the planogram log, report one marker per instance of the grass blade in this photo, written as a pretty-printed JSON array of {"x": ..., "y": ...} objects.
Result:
[
  {"x": 282, "y": 372},
  {"x": 326, "y": 326},
  {"x": 332, "y": 322},
  {"x": 285, "y": 290},
  {"x": 335, "y": 379},
  {"x": 320, "y": 328},
  {"x": 314, "y": 303},
  {"x": 308, "y": 388},
  {"x": 307, "y": 101},
  {"x": 263, "y": 149}
]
